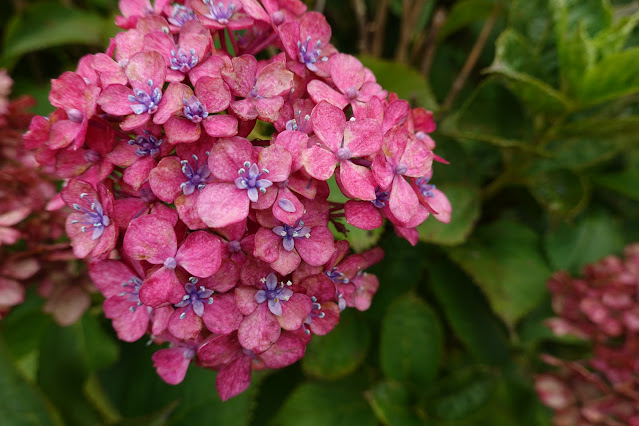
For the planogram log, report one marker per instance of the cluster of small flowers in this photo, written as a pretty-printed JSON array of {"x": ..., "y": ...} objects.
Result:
[
  {"x": 28, "y": 231},
  {"x": 603, "y": 308},
  {"x": 203, "y": 234}
]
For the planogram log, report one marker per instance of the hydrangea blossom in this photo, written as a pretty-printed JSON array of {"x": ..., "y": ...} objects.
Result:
[{"x": 199, "y": 232}]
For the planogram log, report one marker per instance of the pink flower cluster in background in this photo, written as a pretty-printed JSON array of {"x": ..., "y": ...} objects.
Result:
[
  {"x": 196, "y": 229},
  {"x": 30, "y": 226},
  {"x": 601, "y": 307}
]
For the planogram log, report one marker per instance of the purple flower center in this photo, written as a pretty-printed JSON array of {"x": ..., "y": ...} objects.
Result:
[
  {"x": 343, "y": 154},
  {"x": 194, "y": 110},
  {"x": 381, "y": 198},
  {"x": 299, "y": 123},
  {"x": 352, "y": 93},
  {"x": 94, "y": 217},
  {"x": 250, "y": 180},
  {"x": 183, "y": 61},
  {"x": 401, "y": 169},
  {"x": 235, "y": 246},
  {"x": 424, "y": 187},
  {"x": 309, "y": 53},
  {"x": 290, "y": 233},
  {"x": 147, "y": 144},
  {"x": 75, "y": 115},
  {"x": 132, "y": 292},
  {"x": 278, "y": 18},
  {"x": 195, "y": 298},
  {"x": 181, "y": 15},
  {"x": 92, "y": 156},
  {"x": 336, "y": 276},
  {"x": 220, "y": 13},
  {"x": 274, "y": 294},
  {"x": 143, "y": 102},
  {"x": 170, "y": 263},
  {"x": 196, "y": 177}
]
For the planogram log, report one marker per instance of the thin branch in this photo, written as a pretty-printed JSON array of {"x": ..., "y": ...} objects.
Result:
[
  {"x": 439, "y": 18},
  {"x": 362, "y": 25},
  {"x": 460, "y": 81},
  {"x": 378, "y": 28}
]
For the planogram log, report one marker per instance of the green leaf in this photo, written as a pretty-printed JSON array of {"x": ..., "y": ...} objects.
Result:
[
  {"x": 625, "y": 183},
  {"x": 461, "y": 393},
  {"x": 613, "y": 39},
  {"x": 463, "y": 13},
  {"x": 100, "y": 350},
  {"x": 593, "y": 236},
  {"x": 580, "y": 153},
  {"x": 611, "y": 78},
  {"x": 468, "y": 313},
  {"x": 391, "y": 403},
  {"x": 21, "y": 403},
  {"x": 600, "y": 127},
  {"x": 504, "y": 260},
  {"x": 401, "y": 79},
  {"x": 465, "y": 202},
  {"x": 43, "y": 25},
  {"x": 411, "y": 345},
  {"x": 561, "y": 192},
  {"x": 341, "y": 351},
  {"x": 532, "y": 19},
  {"x": 515, "y": 60},
  {"x": 316, "y": 404}
]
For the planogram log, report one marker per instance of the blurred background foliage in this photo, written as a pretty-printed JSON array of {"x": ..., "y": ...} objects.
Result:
[{"x": 537, "y": 111}]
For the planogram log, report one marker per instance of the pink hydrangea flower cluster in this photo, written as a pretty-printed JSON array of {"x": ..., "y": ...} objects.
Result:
[
  {"x": 201, "y": 233},
  {"x": 603, "y": 308},
  {"x": 29, "y": 230}
]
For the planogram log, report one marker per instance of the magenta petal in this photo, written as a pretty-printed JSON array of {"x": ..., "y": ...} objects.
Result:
[
  {"x": 267, "y": 245},
  {"x": 363, "y": 137},
  {"x": 287, "y": 208},
  {"x": 241, "y": 78},
  {"x": 161, "y": 287},
  {"x": 222, "y": 316},
  {"x": 181, "y": 130},
  {"x": 322, "y": 92},
  {"x": 322, "y": 326},
  {"x": 186, "y": 327},
  {"x": 138, "y": 173},
  {"x": 213, "y": 93},
  {"x": 382, "y": 170},
  {"x": 357, "y": 180},
  {"x": 145, "y": 66},
  {"x": 220, "y": 126},
  {"x": 114, "y": 100},
  {"x": 318, "y": 249},
  {"x": 219, "y": 350},
  {"x": 260, "y": 330},
  {"x": 319, "y": 162},
  {"x": 221, "y": 204},
  {"x": 277, "y": 161},
  {"x": 234, "y": 378},
  {"x": 244, "y": 109},
  {"x": 268, "y": 109},
  {"x": 363, "y": 214},
  {"x": 172, "y": 102},
  {"x": 200, "y": 254},
  {"x": 287, "y": 350},
  {"x": 171, "y": 365},
  {"x": 439, "y": 202},
  {"x": 150, "y": 238},
  {"x": 329, "y": 123},
  {"x": 224, "y": 279},
  {"x": 109, "y": 275},
  {"x": 347, "y": 72},
  {"x": 245, "y": 299},
  {"x": 228, "y": 156},
  {"x": 287, "y": 261},
  {"x": 294, "y": 311},
  {"x": 160, "y": 319},
  {"x": 403, "y": 201},
  {"x": 186, "y": 206},
  {"x": 130, "y": 326}
]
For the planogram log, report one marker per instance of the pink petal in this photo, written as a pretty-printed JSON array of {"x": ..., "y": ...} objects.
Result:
[
  {"x": 363, "y": 215},
  {"x": 329, "y": 124},
  {"x": 318, "y": 249},
  {"x": 322, "y": 92},
  {"x": 130, "y": 326},
  {"x": 181, "y": 130},
  {"x": 171, "y": 365},
  {"x": 187, "y": 327},
  {"x": 160, "y": 288},
  {"x": 268, "y": 109},
  {"x": 228, "y": 156},
  {"x": 260, "y": 330},
  {"x": 114, "y": 100},
  {"x": 403, "y": 201},
  {"x": 241, "y": 78},
  {"x": 222, "y": 316},
  {"x": 363, "y": 137},
  {"x": 294, "y": 311},
  {"x": 145, "y": 66},
  {"x": 319, "y": 162},
  {"x": 357, "y": 180},
  {"x": 220, "y": 126},
  {"x": 274, "y": 80},
  {"x": 200, "y": 254},
  {"x": 186, "y": 206},
  {"x": 245, "y": 299},
  {"x": 172, "y": 102},
  {"x": 287, "y": 261},
  {"x": 165, "y": 179},
  {"x": 234, "y": 378},
  {"x": 346, "y": 71},
  {"x": 287, "y": 350},
  {"x": 221, "y": 204},
  {"x": 277, "y": 161},
  {"x": 109, "y": 275},
  {"x": 267, "y": 245},
  {"x": 213, "y": 93},
  {"x": 150, "y": 238}
]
